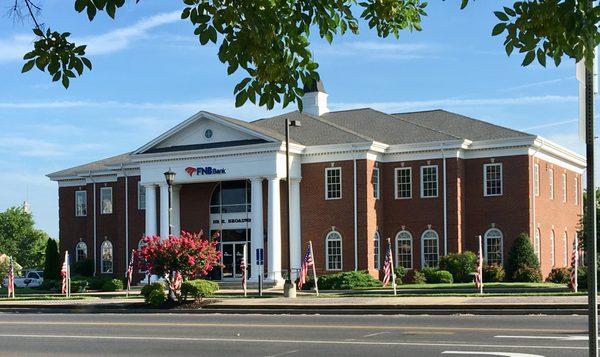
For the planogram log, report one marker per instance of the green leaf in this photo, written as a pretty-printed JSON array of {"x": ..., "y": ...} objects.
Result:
[
  {"x": 529, "y": 57},
  {"x": 498, "y": 29},
  {"x": 65, "y": 81},
  {"x": 464, "y": 4},
  {"x": 501, "y": 16},
  {"x": 27, "y": 66},
  {"x": 87, "y": 62},
  {"x": 240, "y": 98},
  {"x": 541, "y": 56},
  {"x": 38, "y": 32}
]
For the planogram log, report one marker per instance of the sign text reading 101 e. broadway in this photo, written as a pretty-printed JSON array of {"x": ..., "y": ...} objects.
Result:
[{"x": 198, "y": 171}]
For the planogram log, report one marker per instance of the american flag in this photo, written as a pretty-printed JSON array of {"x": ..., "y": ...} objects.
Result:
[
  {"x": 388, "y": 266},
  {"x": 244, "y": 268},
  {"x": 479, "y": 273},
  {"x": 574, "y": 263},
  {"x": 307, "y": 263},
  {"x": 64, "y": 272},
  {"x": 176, "y": 281},
  {"x": 11, "y": 278},
  {"x": 130, "y": 271}
]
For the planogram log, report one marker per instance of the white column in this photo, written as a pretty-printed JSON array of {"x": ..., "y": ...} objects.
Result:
[
  {"x": 256, "y": 227},
  {"x": 274, "y": 231},
  {"x": 295, "y": 233},
  {"x": 176, "y": 211},
  {"x": 164, "y": 211},
  {"x": 150, "y": 210}
]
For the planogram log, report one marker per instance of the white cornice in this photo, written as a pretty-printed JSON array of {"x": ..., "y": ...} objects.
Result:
[{"x": 548, "y": 147}]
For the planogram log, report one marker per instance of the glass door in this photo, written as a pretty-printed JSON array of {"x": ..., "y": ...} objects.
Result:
[{"x": 228, "y": 269}]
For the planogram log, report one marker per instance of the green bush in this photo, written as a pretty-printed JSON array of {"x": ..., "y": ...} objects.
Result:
[
  {"x": 528, "y": 275},
  {"x": 97, "y": 282},
  {"x": 79, "y": 286},
  {"x": 460, "y": 265},
  {"x": 523, "y": 265},
  {"x": 414, "y": 277},
  {"x": 156, "y": 298},
  {"x": 112, "y": 285},
  {"x": 83, "y": 268},
  {"x": 429, "y": 273},
  {"x": 440, "y": 277},
  {"x": 559, "y": 275},
  {"x": 400, "y": 274},
  {"x": 198, "y": 289},
  {"x": 52, "y": 262},
  {"x": 51, "y": 285},
  {"x": 348, "y": 280},
  {"x": 148, "y": 289},
  {"x": 493, "y": 273}
]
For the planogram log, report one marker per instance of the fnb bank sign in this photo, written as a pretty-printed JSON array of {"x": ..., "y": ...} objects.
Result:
[{"x": 201, "y": 171}]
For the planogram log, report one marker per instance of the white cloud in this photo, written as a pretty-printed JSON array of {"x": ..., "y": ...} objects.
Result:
[
  {"x": 381, "y": 50},
  {"x": 551, "y": 124},
  {"x": 537, "y": 84},
  {"x": 13, "y": 48},
  {"x": 38, "y": 148},
  {"x": 392, "y": 107}
]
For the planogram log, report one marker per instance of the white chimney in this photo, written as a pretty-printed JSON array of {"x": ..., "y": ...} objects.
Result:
[{"x": 314, "y": 101}]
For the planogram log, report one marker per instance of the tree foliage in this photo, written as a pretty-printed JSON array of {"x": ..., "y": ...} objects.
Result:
[
  {"x": 52, "y": 263},
  {"x": 268, "y": 40},
  {"x": 522, "y": 263},
  {"x": 20, "y": 239}
]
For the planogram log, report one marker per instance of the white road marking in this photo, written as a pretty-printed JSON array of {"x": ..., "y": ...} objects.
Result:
[
  {"x": 283, "y": 353},
  {"x": 504, "y": 354},
  {"x": 315, "y": 342},
  {"x": 375, "y": 334},
  {"x": 558, "y": 338}
]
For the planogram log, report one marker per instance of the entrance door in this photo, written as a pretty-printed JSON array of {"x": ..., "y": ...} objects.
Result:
[{"x": 232, "y": 254}]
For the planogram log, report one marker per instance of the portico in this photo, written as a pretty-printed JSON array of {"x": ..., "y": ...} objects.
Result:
[{"x": 236, "y": 201}]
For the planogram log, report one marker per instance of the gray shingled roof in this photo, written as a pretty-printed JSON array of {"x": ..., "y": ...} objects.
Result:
[
  {"x": 460, "y": 125},
  {"x": 385, "y": 128},
  {"x": 94, "y": 166},
  {"x": 313, "y": 130}
]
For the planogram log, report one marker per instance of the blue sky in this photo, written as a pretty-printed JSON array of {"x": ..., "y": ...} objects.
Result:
[{"x": 150, "y": 73}]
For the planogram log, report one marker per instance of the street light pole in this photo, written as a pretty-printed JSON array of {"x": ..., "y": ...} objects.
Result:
[
  {"x": 289, "y": 288},
  {"x": 170, "y": 178}
]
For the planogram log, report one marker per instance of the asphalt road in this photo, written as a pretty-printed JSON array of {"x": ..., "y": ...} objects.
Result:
[{"x": 287, "y": 335}]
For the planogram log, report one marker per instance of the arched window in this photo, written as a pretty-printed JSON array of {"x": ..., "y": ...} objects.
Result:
[
  {"x": 404, "y": 249},
  {"x": 536, "y": 244},
  {"x": 552, "y": 257},
  {"x": 376, "y": 249},
  {"x": 80, "y": 252},
  {"x": 333, "y": 247},
  {"x": 565, "y": 250},
  {"x": 493, "y": 246},
  {"x": 106, "y": 253},
  {"x": 429, "y": 249}
]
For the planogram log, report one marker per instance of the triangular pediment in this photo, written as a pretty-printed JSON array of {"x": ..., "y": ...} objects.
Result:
[{"x": 206, "y": 131}]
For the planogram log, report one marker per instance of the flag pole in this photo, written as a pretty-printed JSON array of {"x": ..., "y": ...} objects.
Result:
[
  {"x": 576, "y": 265},
  {"x": 245, "y": 270},
  {"x": 68, "y": 275},
  {"x": 314, "y": 268},
  {"x": 480, "y": 266}
]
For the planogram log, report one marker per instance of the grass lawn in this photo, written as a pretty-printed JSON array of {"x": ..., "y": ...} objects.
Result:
[
  {"x": 45, "y": 297},
  {"x": 502, "y": 285},
  {"x": 25, "y": 291},
  {"x": 445, "y": 294}
]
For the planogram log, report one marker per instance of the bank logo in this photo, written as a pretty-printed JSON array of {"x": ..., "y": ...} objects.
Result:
[{"x": 198, "y": 171}]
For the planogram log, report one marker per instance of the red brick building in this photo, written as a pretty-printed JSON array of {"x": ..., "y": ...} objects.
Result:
[{"x": 429, "y": 181}]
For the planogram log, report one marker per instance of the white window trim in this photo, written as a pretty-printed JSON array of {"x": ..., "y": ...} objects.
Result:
[
  {"x": 536, "y": 179},
  {"x": 411, "y": 248},
  {"x": 552, "y": 249},
  {"x": 576, "y": 191},
  {"x": 423, "y": 248},
  {"x": 85, "y": 195},
  {"x": 566, "y": 249},
  {"x": 112, "y": 200},
  {"x": 112, "y": 268},
  {"x": 409, "y": 169},
  {"x": 485, "y": 166},
  {"x": 485, "y": 244},
  {"x": 377, "y": 237},
  {"x": 537, "y": 240},
  {"x": 80, "y": 243},
  {"x": 564, "y": 187},
  {"x": 341, "y": 240},
  {"x": 376, "y": 192},
  {"x": 326, "y": 187},
  {"x": 551, "y": 183},
  {"x": 437, "y": 182}
]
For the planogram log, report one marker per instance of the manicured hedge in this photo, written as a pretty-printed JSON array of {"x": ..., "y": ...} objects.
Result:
[
  {"x": 559, "y": 275},
  {"x": 112, "y": 285},
  {"x": 460, "y": 265},
  {"x": 198, "y": 289},
  {"x": 493, "y": 273},
  {"x": 344, "y": 281},
  {"x": 151, "y": 292},
  {"x": 523, "y": 265}
]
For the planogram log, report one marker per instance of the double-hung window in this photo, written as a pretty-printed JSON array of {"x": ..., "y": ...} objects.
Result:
[
  {"x": 333, "y": 183},
  {"x": 551, "y": 183},
  {"x": 564, "y": 187},
  {"x": 429, "y": 181},
  {"x": 141, "y": 196},
  {"x": 80, "y": 203},
  {"x": 492, "y": 180},
  {"x": 375, "y": 183},
  {"x": 576, "y": 189},
  {"x": 536, "y": 179},
  {"x": 403, "y": 182},
  {"x": 106, "y": 200}
]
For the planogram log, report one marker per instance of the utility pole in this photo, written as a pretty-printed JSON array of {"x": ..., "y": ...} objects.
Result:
[
  {"x": 289, "y": 288},
  {"x": 591, "y": 204}
]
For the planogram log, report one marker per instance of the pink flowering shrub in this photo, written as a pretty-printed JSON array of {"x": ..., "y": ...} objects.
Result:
[{"x": 179, "y": 258}]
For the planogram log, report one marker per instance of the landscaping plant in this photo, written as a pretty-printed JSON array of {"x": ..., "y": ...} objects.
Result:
[
  {"x": 198, "y": 289},
  {"x": 559, "y": 275},
  {"x": 52, "y": 262},
  {"x": 523, "y": 265},
  {"x": 189, "y": 256},
  {"x": 493, "y": 273},
  {"x": 112, "y": 285},
  {"x": 415, "y": 277},
  {"x": 348, "y": 280},
  {"x": 460, "y": 265},
  {"x": 400, "y": 274}
]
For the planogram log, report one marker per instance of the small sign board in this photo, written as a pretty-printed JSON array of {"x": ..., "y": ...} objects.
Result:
[{"x": 260, "y": 256}]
